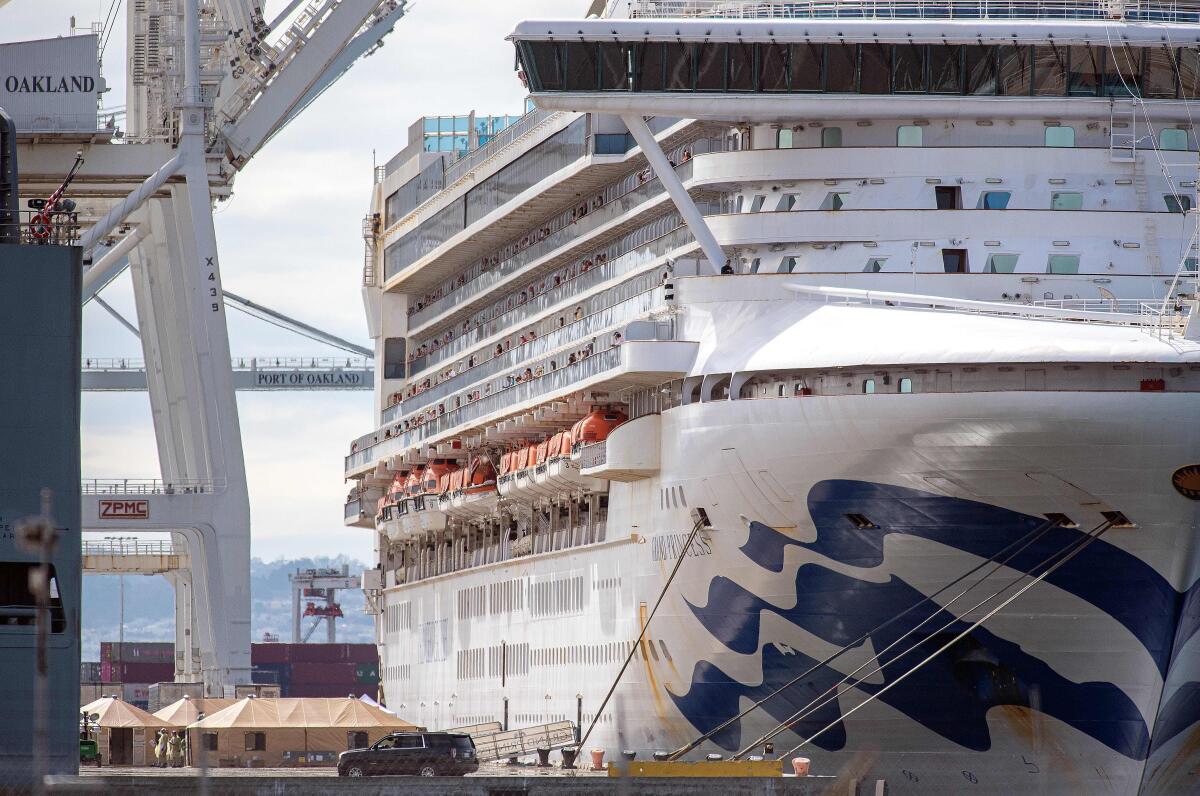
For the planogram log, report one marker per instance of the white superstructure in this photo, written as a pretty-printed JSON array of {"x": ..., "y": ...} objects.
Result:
[{"x": 895, "y": 305}]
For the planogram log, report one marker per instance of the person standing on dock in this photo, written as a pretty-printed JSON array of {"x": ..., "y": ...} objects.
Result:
[
  {"x": 173, "y": 750},
  {"x": 160, "y": 748}
]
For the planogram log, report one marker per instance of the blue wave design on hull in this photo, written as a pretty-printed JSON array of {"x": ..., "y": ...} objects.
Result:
[{"x": 952, "y": 694}]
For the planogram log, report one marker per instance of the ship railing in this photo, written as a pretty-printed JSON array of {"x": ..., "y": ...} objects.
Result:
[
  {"x": 1147, "y": 314},
  {"x": 1138, "y": 10},
  {"x": 29, "y": 229},
  {"x": 372, "y": 446},
  {"x": 618, "y": 264},
  {"x": 150, "y": 486},
  {"x": 577, "y": 331},
  {"x": 501, "y": 140},
  {"x": 479, "y": 280},
  {"x": 242, "y": 363}
]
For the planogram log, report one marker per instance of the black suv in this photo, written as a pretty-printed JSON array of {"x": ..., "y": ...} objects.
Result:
[{"x": 429, "y": 754}]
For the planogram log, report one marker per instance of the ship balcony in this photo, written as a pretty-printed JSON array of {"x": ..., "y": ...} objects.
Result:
[
  {"x": 631, "y": 452},
  {"x": 636, "y": 363},
  {"x": 587, "y": 174},
  {"x": 552, "y": 346},
  {"x": 634, "y": 256}
]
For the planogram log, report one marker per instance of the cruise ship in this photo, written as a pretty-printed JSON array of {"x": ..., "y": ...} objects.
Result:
[{"x": 820, "y": 378}]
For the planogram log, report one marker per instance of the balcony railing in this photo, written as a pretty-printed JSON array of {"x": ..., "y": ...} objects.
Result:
[
  {"x": 576, "y": 332},
  {"x": 148, "y": 486},
  {"x": 1143, "y": 10},
  {"x": 375, "y": 446}
]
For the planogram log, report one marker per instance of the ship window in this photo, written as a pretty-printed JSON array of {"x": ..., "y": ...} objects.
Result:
[
  {"x": 831, "y": 137},
  {"x": 1178, "y": 203},
  {"x": 787, "y": 265},
  {"x": 1002, "y": 263},
  {"x": 909, "y": 135},
  {"x": 679, "y": 66},
  {"x": 868, "y": 386},
  {"x": 784, "y": 139},
  {"x": 756, "y": 204},
  {"x": 773, "y": 67},
  {"x": 1086, "y": 69},
  {"x": 547, "y": 66},
  {"x": 947, "y": 197},
  {"x": 18, "y": 604},
  {"x": 835, "y": 200},
  {"x": 741, "y": 67},
  {"x": 1158, "y": 75},
  {"x": 710, "y": 68},
  {"x": 980, "y": 69},
  {"x": 754, "y": 264},
  {"x": 909, "y": 69},
  {"x": 1063, "y": 264},
  {"x": 875, "y": 69},
  {"x": 1190, "y": 264},
  {"x": 840, "y": 63},
  {"x": 581, "y": 66},
  {"x": 904, "y": 386},
  {"x": 1049, "y": 71},
  {"x": 1060, "y": 136},
  {"x": 1123, "y": 70},
  {"x": 1066, "y": 200},
  {"x": 650, "y": 67},
  {"x": 874, "y": 265},
  {"x": 614, "y": 69},
  {"x": 1172, "y": 138},
  {"x": 787, "y": 202},
  {"x": 994, "y": 200},
  {"x": 945, "y": 69},
  {"x": 806, "y": 68},
  {"x": 954, "y": 261},
  {"x": 1015, "y": 74}
]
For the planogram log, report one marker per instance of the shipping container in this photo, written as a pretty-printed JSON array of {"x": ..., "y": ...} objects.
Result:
[
  {"x": 322, "y": 673},
  {"x": 366, "y": 672},
  {"x": 90, "y": 692},
  {"x": 260, "y": 691},
  {"x": 269, "y": 653},
  {"x": 89, "y": 672},
  {"x": 146, "y": 673},
  {"x": 167, "y": 693},
  {"x": 331, "y": 690},
  {"x": 137, "y": 651}
]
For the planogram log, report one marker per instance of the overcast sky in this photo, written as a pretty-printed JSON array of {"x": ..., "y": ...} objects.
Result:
[{"x": 290, "y": 238}]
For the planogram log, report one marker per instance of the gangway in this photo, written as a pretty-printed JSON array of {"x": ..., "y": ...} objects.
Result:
[{"x": 121, "y": 374}]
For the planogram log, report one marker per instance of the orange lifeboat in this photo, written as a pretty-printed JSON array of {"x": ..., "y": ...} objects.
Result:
[
  {"x": 431, "y": 482},
  {"x": 480, "y": 474},
  {"x": 568, "y": 440},
  {"x": 598, "y": 425},
  {"x": 395, "y": 490},
  {"x": 456, "y": 480},
  {"x": 520, "y": 459},
  {"x": 413, "y": 486},
  {"x": 543, "y": 451}
]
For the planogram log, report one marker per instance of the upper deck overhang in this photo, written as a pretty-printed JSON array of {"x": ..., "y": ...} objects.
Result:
[{"x": 878, "y": 29}]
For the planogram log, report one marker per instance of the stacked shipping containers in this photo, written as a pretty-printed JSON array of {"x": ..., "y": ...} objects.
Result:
[
  {"x": 317, "y": 670},
  {"x": 137, "y": 664}
]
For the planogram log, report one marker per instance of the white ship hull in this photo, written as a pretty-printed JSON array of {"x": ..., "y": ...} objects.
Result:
[{"x": 1063, "y": 691}]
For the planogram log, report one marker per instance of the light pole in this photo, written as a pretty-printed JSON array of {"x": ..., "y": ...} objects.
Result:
[{"x": 120, "y": 543}]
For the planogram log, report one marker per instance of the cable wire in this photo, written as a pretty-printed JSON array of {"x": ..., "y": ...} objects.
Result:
[
  {"x": 1070, "y": 552},
  {"x": 700, "y": 523},
  {"x": 1028, "y": 539}
]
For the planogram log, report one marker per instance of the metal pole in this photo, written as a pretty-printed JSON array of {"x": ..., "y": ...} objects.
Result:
[{"x": 679, "y": 195}]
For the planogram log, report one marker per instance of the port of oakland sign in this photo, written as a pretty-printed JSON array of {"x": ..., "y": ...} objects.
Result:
[
  {"x": 51, "y": 85},
  {"x": 314, "y": 380}
]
